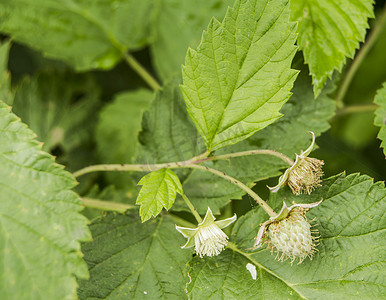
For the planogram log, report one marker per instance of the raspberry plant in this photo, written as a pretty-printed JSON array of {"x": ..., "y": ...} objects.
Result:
[{"x": 138, "y": 138}]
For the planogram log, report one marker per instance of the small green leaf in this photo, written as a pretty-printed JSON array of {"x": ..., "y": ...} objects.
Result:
[
  {"x": 185, "y": 19},
  {"x": 130, "y": 260},
  {"x": 328, "y": 32},
  {"x": 86, "y": 34},
  {"x": 380, "y": 115},
  {"x": 240, "y": 76},
  {"x": 40, "y": 224},
  {"x": 159, "y": 189},
  {"x": 117, "y": 131}
]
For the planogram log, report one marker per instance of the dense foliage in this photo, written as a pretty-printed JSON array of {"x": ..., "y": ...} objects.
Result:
[{"x": 177, "y": 114}]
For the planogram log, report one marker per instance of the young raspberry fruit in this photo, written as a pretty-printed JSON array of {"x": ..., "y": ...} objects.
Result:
[
  {"x": 289, "y": 233},
  {"x": 291, "y": 236},
  {"x": 304, "y": 175}
]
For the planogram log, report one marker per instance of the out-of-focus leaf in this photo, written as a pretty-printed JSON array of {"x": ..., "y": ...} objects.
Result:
[
  {"x": 179, "y": 25},
  {"x": 117, "y": 132},
  {"x": 328, "y": 32},
  {"x": 87, "y": 34},
  {"x": 130, "y": 260},
  {"x": 60, "y": 108},
  {"x": 40, "y": 223},
  {"x": 240, "y": 76},
  {"x": 159, "y": 189},
  {"x": 5, "y": 83},
  {"x": 380, "y": 115}
]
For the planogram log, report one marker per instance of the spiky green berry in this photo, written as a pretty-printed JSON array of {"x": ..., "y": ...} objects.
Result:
[{"x": 291, "y": 237}]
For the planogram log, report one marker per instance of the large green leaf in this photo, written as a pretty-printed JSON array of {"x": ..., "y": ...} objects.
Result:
[
  {"x": 329, "y": 31},
  {"x": 240, "y": 76},
  {"x": 380, "y": 115},
  {"x": 40, "y": 223},
  {"x": 5, "y": 83},
  {"x": 186, "y": 20},
  {"x": 288, "y": 135},
  {"x": 130, "y": 260},
  {"x": 167, "y": 135},
  {"x": 167, "y": 132},
  {"x": 349, "y": 264},
  {"x": 85, "y": 33},
  {"x": 159, "y": 189},
  {"x": 117, "y": 131},
  {"x": 59, "y": 107}
]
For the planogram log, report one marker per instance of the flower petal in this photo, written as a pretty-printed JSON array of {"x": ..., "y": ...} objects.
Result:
[
  {"x": 309, "y": 149},
  {"x": 208, "y": 219},
  {"x": 226, "y": 222},
  {"x": 186, "y": 232},
  {"x": 310, "y": 205}
]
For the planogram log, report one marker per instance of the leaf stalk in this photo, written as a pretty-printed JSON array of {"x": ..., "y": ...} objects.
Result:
[{"x": 141, "y": 71}]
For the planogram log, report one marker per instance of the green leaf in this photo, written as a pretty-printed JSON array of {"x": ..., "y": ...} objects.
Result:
[
  {"x": 86, "y": 34},
  {"x": 226, "y": 277},
  {"x": 288, "y": 135},
  {"x": 159, "y": 189},
  {"x": 183, "y": 19},
  {"x": 59, "y": 107},
  {"x": 380, "y": 115},
  {"x": 167, "y": 132},
  {"x": 349, "y": 264},
  {"x": 240, "y": 76},
  {"x": 329, "y": 32},
  {"x": 40, "y": 223},
  {"x": 117, "y": 131},
  {"x": 6, "y": 94},
  {"x": 129, "y": 260},
  {"x": 168, "y": 135}
]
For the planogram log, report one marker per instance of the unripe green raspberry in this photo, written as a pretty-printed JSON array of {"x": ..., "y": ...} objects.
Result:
[{"x": 292, "y": 237}]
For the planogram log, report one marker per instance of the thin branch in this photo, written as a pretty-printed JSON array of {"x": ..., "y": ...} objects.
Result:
[
  {"x": 373, "y": 36},
  {"x": 251, "y": 152},
  {"x": 106, "y": 205},
  {"x": 351, "y": 109},
  {"x": 241, "y": 185},
  {"x": 174, "y": 165},
  {"x": 192, "y": 208},
  {"x": 141, "y": 71}
]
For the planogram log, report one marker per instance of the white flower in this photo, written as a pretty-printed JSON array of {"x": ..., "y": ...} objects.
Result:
[
  {"x": 208, "y": 238},
  {"x": 304, "y": 175}
]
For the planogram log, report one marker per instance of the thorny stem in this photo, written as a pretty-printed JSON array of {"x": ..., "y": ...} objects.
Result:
[
  {"x": 174, "y": 165},
  {"x": 241, "y": 185},
  {"x": 359, "y": 59},
  {"x": 106, "y": 205},
  {"x": 192, "y": 208},
  {"x": 141, "y": 71}
]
